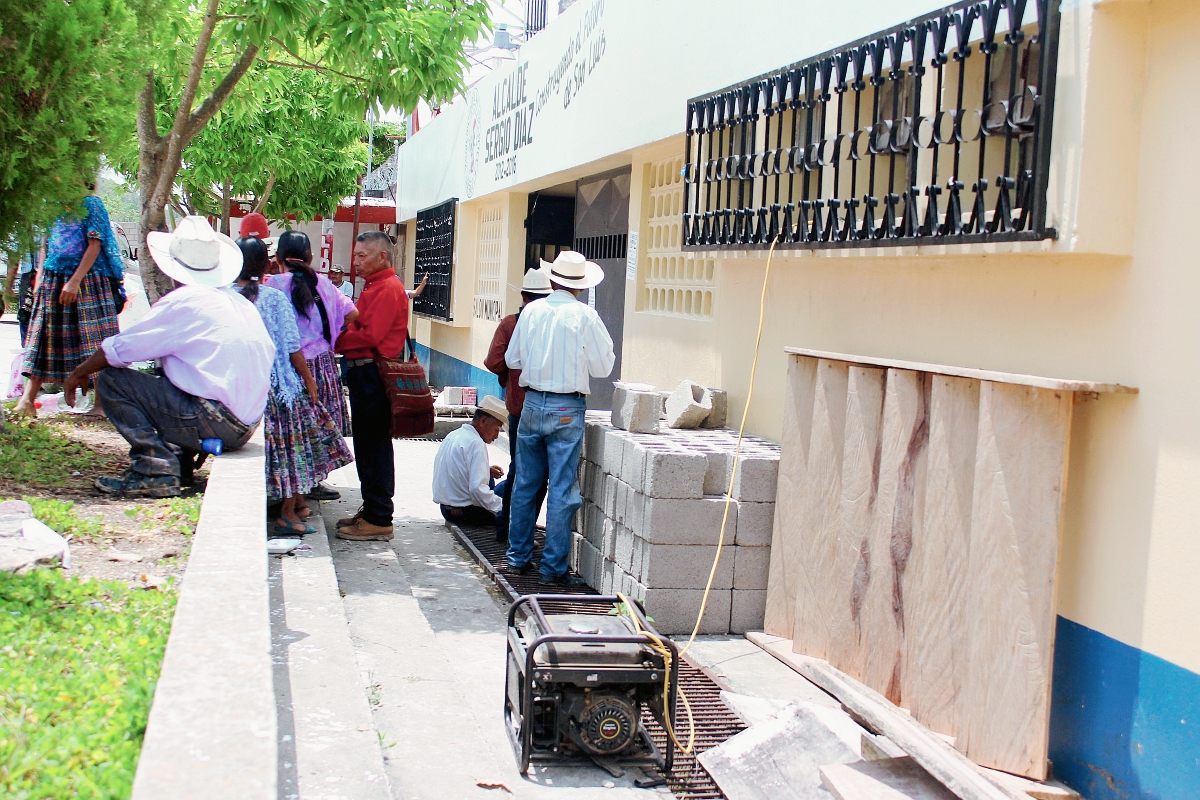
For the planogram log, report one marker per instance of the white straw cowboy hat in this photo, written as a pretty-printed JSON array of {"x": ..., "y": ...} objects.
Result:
[
  {"x": 494, "y": 407},
  {"x": 574, "y": 271},
  {"x": 536, "y": 281},
  {"x": 196, "y": 255}
]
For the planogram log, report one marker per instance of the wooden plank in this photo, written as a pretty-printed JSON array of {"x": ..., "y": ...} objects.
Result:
[
  {"x": 905, "y": 442},
  {"x": 790, "y": 497},
  {"x": 935, "y": 585},
  {"x": 889, "y": 779},
  {"x": 1061, "y": 384},
  {"x": 1020, "y": 475},
  {"x": 941, "y": 760},
  {"x": 816, "y": 527},
  {"x": 848, "y": 580}
]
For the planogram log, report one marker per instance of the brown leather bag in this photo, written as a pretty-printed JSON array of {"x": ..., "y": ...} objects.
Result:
[{"x": 408, "y": 393}]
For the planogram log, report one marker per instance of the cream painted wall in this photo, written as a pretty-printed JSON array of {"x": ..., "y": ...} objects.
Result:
[{"x": 1116, "y": 299}]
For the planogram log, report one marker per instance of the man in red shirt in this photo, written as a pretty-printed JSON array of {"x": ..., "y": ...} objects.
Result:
[
  {"x": 382, "y": 326},
  {"x": 535, "y": 286}
]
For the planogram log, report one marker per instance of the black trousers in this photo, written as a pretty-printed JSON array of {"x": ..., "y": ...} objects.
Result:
[
  {"x": 514, "y": 424},
  {"x": 470, "y": 515},
  {"x": 373, "y": 455}
]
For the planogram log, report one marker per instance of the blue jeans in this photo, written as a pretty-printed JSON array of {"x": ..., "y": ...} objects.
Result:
[{"x": 549, "y": 443}]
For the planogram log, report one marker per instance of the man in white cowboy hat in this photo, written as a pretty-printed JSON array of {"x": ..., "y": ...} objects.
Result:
[
  {"x": 464, "y": 481},
  {"x": 215, "y": 355},
  {"x": 534, "y": 286},
  {"x": 559, "y": 345}
]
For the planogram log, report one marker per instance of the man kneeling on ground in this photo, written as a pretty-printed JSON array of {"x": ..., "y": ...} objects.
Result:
[
  {"x": 215, "y": 354},
  {"x": 463, "y": 479}
]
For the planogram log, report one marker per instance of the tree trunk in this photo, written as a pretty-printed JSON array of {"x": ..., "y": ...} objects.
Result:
[
  {"x": 225, "y": 203},
  {"x": 266, "y": 195},
  {"x": 153, "y": 216}
]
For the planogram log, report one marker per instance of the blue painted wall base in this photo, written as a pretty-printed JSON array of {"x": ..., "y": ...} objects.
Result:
[
  {"x": 1124, "y": 724},
  {"x": 443, "y": 370}
]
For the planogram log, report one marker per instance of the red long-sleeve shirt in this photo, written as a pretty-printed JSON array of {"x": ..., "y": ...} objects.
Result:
[
  {"x": 510, "y": 379},
  {"x": 382, "y": 322}
]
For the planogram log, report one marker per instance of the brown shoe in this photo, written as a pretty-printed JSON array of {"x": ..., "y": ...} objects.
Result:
[
  {"x": 363, "y": 531},
  {"x": 346, "y": 522}
]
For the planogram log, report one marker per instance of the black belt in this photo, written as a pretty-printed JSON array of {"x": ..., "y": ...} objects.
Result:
[
  {"x": 358, "y": 362},
  {"x": 580, "y": 395}
]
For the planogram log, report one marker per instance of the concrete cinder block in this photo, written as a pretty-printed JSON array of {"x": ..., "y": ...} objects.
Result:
[
  {"x": 685, "y": 566},
  {"x": 635, "y": 510},
  {"x": 716, "y": 477},
  {"x": 610, "y": 496},
  {"x": 593, "y": 524},
  {"x": 608, "y": 577},
  {"x": 623, "y": 548},
  {"x": 609, "y": 541},
  {"x": 614, "y": 451},
  {"x": 633, "y": 462},
  {"x": 666, "y": 521},
  {"x": 674, "y": 473},
  {"x": 718, "y": 417},
  {"x": 635, "y": 410},
  {"x": 750, "y": 567},
  {"x": 621, "y": 501},
  {"x": 756, "y": 523},
  {"x": 688, "y": 406},
  {"x": 757, "y": 476},
  {"x": 747, "y": 610},
  {"x": 637, "y": 590},
  {"x": 674, "y": 611},
  {"x": 574, "y": 557}
]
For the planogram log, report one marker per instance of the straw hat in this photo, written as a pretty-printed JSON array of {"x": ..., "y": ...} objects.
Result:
[
  {"x": 196, "y": 255},
  {"x": 494, "y": 407},
  {"x": 536, "y": 281},
  {"x": 574, "y": 271}
]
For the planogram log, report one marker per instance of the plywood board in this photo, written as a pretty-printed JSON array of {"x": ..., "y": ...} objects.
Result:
[
  {"x": 889, "y": 779},
  {"x": 848, "y": 580},
  {"x": 816, "y": 526},
  {"x": 1016, "y": 378},
  {"x": 1020, "y": 476},
  {"x": 790, "y": 496},
  {"x": 938, "y": 615}
]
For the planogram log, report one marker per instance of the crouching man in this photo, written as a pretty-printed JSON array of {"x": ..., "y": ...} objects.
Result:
[
  {"x": 463, "y": 478},
  {"x": 214, "y": 352}
]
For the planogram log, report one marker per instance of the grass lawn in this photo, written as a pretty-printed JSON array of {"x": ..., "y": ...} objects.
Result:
[{"x": 78, "y": 664}]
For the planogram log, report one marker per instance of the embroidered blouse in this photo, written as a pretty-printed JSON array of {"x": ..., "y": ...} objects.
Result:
[
  {"x": 275, "y": 308},
  {"x": 69, "y": 238}
]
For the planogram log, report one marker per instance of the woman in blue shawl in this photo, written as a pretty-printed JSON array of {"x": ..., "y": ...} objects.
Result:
[{"x": 77, "y": 300}]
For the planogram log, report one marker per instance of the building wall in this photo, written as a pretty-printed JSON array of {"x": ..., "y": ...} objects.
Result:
[{"x": 1113, "y": 299}]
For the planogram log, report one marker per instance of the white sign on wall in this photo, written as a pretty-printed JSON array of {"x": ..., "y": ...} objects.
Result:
[{"x": 631, "y": 257}]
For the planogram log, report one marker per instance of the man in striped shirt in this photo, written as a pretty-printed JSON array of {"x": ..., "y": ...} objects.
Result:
[{"x": 559, "y": 344}]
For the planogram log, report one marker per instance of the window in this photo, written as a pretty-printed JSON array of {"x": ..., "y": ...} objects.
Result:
[
  {"x": 670, "y": 281},
  {"x": 435, "y": 258}
]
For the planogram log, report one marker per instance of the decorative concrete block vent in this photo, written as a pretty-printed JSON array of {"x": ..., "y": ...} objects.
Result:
[{"x": 651, "y": 519}]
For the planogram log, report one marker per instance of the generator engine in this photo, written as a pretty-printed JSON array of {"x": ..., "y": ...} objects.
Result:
[{"x": 577, "y": 682}]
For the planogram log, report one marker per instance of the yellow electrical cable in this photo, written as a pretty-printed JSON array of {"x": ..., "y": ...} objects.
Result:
[
  {"x": 658, "y": 646},
  {"x": 737, "y": 452}
]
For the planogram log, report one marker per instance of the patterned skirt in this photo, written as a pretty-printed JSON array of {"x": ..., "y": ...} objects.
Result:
[
  {"x": 304, "y": 445},
  {"x": 62, "y": 337},
  {"x": 329, "y": 388}
]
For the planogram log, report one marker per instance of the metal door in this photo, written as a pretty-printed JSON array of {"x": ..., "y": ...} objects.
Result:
[{"x": 601, "y": 234}]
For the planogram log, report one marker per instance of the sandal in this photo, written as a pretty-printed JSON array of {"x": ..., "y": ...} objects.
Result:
[
  {"x": 304, "y": 512},
  {"x": 282, "y": 527}
]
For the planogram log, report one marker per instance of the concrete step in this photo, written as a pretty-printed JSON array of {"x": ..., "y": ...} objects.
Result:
[{"x": 328, "y": 747}]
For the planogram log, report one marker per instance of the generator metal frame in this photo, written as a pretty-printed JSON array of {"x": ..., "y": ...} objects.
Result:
[{"x": 523, "y": 745}]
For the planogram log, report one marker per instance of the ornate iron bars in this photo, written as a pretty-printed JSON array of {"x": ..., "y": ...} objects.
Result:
[
  {"x": 936, "y": 131},
  {"x": 435, "y": 258}
]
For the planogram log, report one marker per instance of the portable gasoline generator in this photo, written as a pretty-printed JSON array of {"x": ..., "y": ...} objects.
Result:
[{"x": 577, "y": 682}]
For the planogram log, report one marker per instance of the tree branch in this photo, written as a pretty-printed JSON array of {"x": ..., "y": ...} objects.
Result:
[
  {"x": 147, "y": 119},
  {"x": 306, "y": 64},
  {"x": 212, "y": 104},
  {"x": 262, "y": 201}
]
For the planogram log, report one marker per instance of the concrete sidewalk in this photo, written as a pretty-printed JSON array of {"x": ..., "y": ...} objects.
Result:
[{"x": 426, "y": 631}]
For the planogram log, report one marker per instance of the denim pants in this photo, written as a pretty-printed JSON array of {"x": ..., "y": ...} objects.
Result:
[
  {"x": 152, "y": 414},
  {"x": 549, "y": 443},
  {"x": 514, "y": 425},
  {"x": 371, "y": 422}
]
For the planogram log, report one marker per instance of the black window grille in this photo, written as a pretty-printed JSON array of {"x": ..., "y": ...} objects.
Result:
[
  {"x": 936, "y": 131},
  {"x": 535, "y": 16},
  {"x": 435, "y": 258},
  {"x": 612, "y": 245}
]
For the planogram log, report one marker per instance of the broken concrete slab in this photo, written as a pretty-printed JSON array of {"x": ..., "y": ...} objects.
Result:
[
  {"x": 890, "y": 779},
  {"x": 781, "y": 758},
  {"x": 688, "y": 406},
  {"x": 752, "y": 710}
]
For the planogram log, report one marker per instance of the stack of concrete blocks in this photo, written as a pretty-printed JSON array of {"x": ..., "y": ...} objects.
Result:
[{"x": 651, "y": 520}]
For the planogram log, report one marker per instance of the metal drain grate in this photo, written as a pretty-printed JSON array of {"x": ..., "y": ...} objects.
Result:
[{"x": 714, "y": 721}]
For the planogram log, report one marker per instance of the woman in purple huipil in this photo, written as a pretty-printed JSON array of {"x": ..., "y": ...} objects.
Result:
[{"x": 321, "y": 313}]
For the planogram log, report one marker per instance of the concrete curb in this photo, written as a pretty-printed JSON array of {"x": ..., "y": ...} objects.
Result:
[{"x": 211, "y": 732}]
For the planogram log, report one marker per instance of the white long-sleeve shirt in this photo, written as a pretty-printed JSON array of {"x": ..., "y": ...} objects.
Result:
[
  {"x": 559, "y": 344},
  {"x": 212, "y": 343},
  {"x": 461, "y": 471}
]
